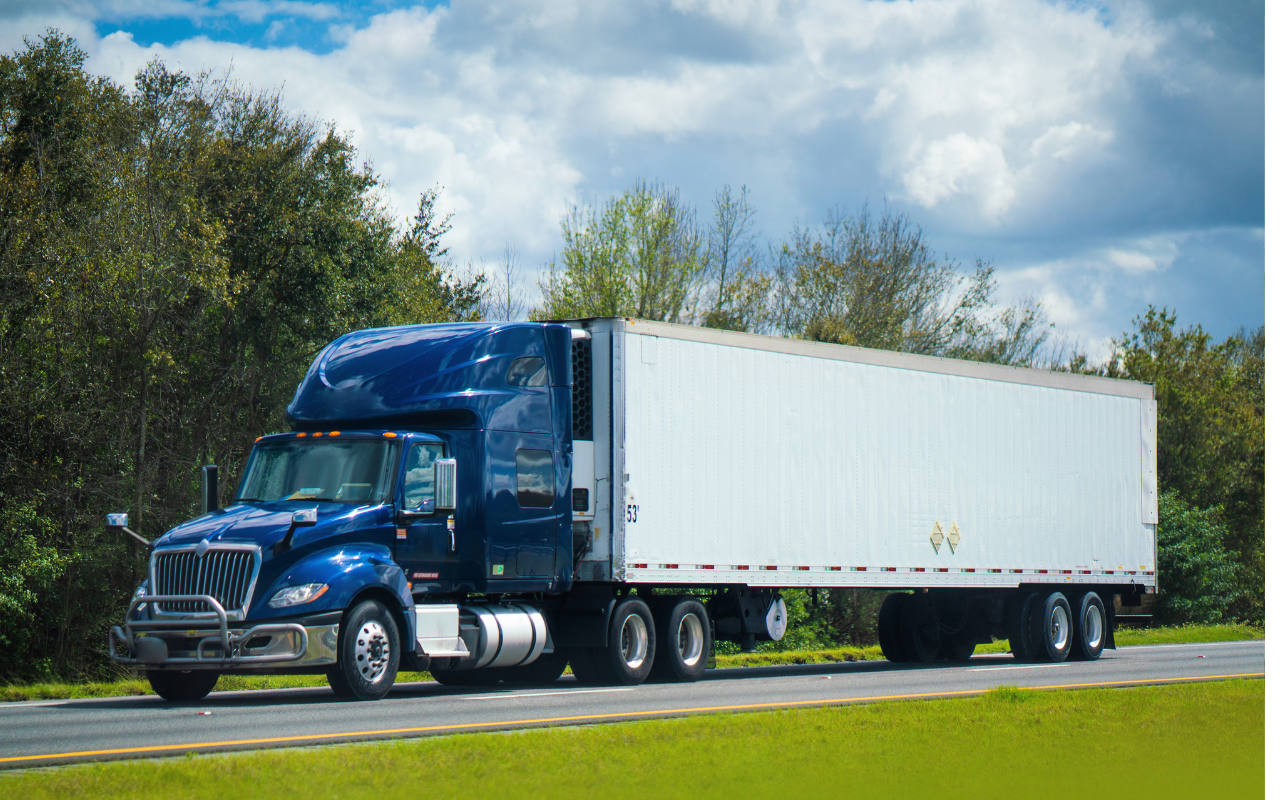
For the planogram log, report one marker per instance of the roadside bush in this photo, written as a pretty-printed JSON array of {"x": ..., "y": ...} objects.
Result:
[{"x": 1199, "y": 576}]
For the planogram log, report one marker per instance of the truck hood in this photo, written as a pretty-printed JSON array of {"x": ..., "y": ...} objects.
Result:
[{"x": 262, "y": 524}]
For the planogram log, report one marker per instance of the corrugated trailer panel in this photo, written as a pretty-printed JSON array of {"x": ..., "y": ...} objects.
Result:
[{"x": 766, "y": 467}]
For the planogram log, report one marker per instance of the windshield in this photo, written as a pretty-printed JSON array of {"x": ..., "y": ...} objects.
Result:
[{"x": 336, "y": 471}]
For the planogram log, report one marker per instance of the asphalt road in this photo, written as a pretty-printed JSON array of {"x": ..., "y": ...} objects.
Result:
[{"x": 56, "y": 732}]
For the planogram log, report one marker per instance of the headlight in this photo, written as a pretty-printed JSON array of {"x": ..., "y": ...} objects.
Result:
[{"x": 297, "y": 595}]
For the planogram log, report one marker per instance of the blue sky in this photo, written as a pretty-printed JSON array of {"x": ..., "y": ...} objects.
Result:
[{"x": 1102, "y": 155}]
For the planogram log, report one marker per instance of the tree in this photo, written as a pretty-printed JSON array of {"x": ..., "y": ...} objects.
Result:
[
  {"x": 171, "y": 260},
  {"x": 1199, "y": 580},
  {"x": 1210, "y": 436},
  {"x": 639, "y": 255},
  {"x": 877, "y": 283}
]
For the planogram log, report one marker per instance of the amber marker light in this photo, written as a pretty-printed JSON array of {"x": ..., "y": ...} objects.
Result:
[
  {"x": 334, "y": 433},
  {"x": 317, "y": 433},
  {"x": 389, "y": 435},
  {"x": 302, "y": 436},
  {"x": 255, "y": 441}
]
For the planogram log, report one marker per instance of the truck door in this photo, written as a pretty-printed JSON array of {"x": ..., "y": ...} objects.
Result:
[
  {"x": 426, "y": 546},
  {"x": 523, "y": 518}
]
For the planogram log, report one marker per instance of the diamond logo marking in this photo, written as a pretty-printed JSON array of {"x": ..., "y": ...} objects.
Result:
[
  {"x": 935, "y": 538},
  {"x": 953, "y": 537}
]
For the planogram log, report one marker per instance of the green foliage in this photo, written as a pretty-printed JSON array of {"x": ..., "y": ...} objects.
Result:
[
  {"x": 1210, "y": 440},
  {"x": 171, "y": 259},
  {"x": 639, "y": 255},
  {"x": 1199, "y": 581}
]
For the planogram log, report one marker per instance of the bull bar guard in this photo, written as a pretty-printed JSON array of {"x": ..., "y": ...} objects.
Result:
[{"x": 219, "y": 633}]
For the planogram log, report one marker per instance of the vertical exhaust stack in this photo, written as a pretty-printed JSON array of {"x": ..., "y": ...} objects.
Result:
[{"x": 209, "y": 489}]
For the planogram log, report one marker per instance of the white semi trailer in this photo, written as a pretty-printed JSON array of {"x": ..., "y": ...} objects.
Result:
[{"x": 993, "y": 500}]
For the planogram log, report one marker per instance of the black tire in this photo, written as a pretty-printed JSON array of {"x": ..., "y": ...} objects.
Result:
[
  {"x": 547, "y": 669},
  {"x": 889, "y": 624},
  {"x": 628, "y": 655},
  {"x": 179, "y": 687},
  {"x": 921, "y": 638},
  {"x": 1055, "y": 629},
  {"x": 1089, "y": 616},
  {"x": 368, "y": 653},
  {"x": 958, "y": 646},
  {"x": 1018, "y": 615},
  {"x": 683, "y": 640},
  {"x": 583, "y": 663}
]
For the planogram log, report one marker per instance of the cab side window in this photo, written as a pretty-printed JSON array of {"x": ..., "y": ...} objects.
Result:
[
  {"x": 535, "y": 479},
  {"x": 420, "y": 475},
  {"x": 527, "y": 372}
]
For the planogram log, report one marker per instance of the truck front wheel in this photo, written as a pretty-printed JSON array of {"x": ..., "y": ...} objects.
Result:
[
  {"x": 368, "y": 653},
  {"x": 176, "y": 686}
]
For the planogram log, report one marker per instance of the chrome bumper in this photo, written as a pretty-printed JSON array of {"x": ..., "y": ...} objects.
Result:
[{"x": 159, "y": 643}]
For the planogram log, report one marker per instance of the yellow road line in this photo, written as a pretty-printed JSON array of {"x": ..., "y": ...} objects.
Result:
[{"x": 587, "y": 717}]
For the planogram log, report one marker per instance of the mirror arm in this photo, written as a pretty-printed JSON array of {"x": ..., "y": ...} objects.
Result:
[
  {"x": 284, "y": 543},
  {"x": 142, "y": 541}
]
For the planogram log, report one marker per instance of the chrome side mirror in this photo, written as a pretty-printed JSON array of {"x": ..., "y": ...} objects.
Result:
[
  {"x": 120, "y": 522},
  {"x": 446, "y": 483}
]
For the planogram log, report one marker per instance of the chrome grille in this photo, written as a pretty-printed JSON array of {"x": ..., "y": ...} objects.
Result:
[{"x": 225, "y": 575}]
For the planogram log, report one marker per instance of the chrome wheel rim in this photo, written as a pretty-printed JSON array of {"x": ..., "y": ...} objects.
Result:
[
  {"x": 373, "y": 651},
  {"x": 1059, "y": 628},
  {"x": 1093, "y": 626},
  {"x": 635, "y": 641},
  {"x": 690, "y": 643}
]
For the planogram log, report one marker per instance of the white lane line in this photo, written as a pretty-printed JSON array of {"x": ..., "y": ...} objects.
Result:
[
  {"x": 1190, "y": 644},
  {"x": 547, "y": 694},
  {"x": 1024, "y": 666}
]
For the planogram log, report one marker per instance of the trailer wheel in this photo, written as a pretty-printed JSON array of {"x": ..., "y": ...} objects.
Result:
[
  {"x": 683, "y": 641},
  {"x": 547, "y": 669},
  {"x": 921, "y": 638},
  {"x": 1055, "y": 641},
  {"x": 177, "y": 687},
  {"x": 1019, "y": 612},
  {"x": 627, "y": 657},
  {"x": 368, "y": 653},
  {"x": 889, "y": 625},
  {"x": 959, "y": 646},
  {"x": 1090, "y": 618}
]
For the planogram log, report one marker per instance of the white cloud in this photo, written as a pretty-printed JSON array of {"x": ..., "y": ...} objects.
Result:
[{"x": 990, "y": 119}]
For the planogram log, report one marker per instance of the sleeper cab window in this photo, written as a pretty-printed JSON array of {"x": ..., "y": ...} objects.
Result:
[
  {"x": 527, "y": 372},
  {"x": 420, "y": 475},
  {"x": 535, "y": 478}
]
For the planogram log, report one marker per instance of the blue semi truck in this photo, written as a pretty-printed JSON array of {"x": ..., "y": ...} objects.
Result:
[{"x": 495, "y": 501}]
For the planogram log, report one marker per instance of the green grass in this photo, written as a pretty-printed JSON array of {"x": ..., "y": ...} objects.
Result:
[
  {"x": 1188, "y": 740},
  {"x": 124, "y": 688}
]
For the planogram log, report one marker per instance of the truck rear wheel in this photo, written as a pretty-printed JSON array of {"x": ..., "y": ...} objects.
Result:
[
  {"x": 368, "y": 653},
  {"x": 1055, "y": 619},
  {"x": 1090, "y": 618},
  {"x": 683, "y": 641},
  {"x": 627, "y": 657},
  {"x": 889, "y": 625},
  {"x": 176, "y": 686}
]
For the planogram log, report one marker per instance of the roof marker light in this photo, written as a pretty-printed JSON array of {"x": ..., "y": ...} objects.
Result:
[
  {"x": 317, "y": 433},
  {"x": 302, "y": 436},
  {"x": 334, "y": 433},
  {"x": 389, "y": 435}
]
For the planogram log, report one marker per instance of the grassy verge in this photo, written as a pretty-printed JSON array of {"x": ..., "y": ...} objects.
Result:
[
  {"x": 1192, "y": 740},
  {"x": 1125, "y": 637},
  {"x": 124, "y": 688}
]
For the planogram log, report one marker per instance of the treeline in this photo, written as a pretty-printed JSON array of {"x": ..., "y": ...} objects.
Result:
[
  {"x": 171, "y": 259},
  {"x": 173, "y": 255}
]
